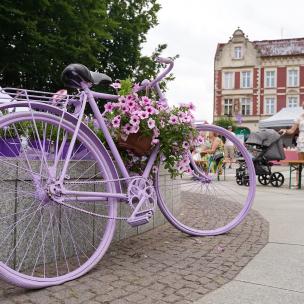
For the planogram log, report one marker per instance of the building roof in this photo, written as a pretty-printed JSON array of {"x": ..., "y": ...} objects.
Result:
[
  {"x": 282, "y": 47},
  {"x": 271, "y": 48}
]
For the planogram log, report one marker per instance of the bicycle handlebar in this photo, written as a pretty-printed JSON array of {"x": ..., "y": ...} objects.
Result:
[
  {"x": 170, "y": 64},
  {"x": 148, "y": 83}
]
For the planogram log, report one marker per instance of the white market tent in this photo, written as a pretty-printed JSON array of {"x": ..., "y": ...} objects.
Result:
[{"x": 284, "y": 118}]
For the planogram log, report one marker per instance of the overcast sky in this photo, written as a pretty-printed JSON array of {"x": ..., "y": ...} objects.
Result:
[{"x": 192, "y": 29}]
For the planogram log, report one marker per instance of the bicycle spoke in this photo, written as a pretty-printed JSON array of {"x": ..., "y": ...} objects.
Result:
[{"x": 29, "y": 244}]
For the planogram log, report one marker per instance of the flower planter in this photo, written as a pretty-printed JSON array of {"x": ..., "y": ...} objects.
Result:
[
  {"x": 9, "y": 147},
  {"x": 137, "y": 143}
]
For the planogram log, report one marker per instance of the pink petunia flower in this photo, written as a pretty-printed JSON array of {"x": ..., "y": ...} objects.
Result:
[
  {"x": 108, "y": 107},
  {"x": 125, "y": 108},
  {"x": 155, "y": 141},
  {"x": 182, "y": 116},
  {"x": 156, "y": 132},
  {"x": 116, "y": 121},
  {"x": 127, "y": 129},
  {"x": 191, "y": 106},
  {"x": 134, "y": 129},
  {"x": 130, "y": 103},
  {"x": 122, "y": 100},
  {"x": 151, "y": 123},
  {"x": 188, "y": 119},
  {"x": 143, "y": 114},
  {"x": 130, "y": 97},
  {"x": 189, "y": 170},
  {"x": 186, "y": 145},
  {"x": 200, "y": 140},
  {"x": 134, "y": 120},
  {"x": 146, "y": 101},
  {"x": 173, "y": 120},
  {"x": 150, "y": 110}
]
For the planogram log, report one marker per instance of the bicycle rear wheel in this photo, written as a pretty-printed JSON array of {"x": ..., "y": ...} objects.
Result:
[
  {"x": 44, "y": 243},
  {"x": 208, "y": 201}
]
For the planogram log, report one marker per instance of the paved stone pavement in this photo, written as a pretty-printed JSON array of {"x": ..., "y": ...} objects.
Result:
[{"x": 162, "y": 265}]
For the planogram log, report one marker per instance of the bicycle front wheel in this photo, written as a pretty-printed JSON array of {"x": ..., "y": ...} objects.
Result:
[
  {"x": 43, "y": 242},
  {"x": 209, "y": 201}
]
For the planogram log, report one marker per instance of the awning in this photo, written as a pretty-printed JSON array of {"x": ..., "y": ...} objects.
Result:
[{"x": 284, "y": 118}]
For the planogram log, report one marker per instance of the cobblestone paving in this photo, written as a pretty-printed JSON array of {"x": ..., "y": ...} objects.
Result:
[{"x": 160, "y": 266}]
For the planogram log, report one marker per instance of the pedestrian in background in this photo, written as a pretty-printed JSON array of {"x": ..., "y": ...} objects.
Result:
[
  {"x": 298, "y": 125},
  {"x": 229, "y": 149}
]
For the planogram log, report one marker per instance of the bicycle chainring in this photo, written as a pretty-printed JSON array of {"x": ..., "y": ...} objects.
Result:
[{"x": 141, "y": 191}]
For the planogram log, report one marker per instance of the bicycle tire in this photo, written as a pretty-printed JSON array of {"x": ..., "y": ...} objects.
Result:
[
  {"x": 202, "y": 208},
  {"x": 65, "y": 244}
]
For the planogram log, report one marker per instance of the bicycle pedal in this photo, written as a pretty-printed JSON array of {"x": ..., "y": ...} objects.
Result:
[{"x": 140, "y": 219}]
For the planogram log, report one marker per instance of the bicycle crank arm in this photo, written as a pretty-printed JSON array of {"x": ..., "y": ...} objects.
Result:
[{"x": 139, "y": 216}]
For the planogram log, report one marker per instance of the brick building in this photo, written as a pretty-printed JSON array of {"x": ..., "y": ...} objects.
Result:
[{"x": 255, "y": 79}]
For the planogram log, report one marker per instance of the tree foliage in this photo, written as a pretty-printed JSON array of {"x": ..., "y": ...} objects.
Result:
[
  {"x": 225, "y": 122},
  {"x": 40, "y": 37}
]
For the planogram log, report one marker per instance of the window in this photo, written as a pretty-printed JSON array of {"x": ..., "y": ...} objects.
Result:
[
  {"x": 237, "y": 52},
  {"x": 246, "y": 79},
  {"x": 246, "y": 106},
  {"x": 293, "y": 78},
  {"x": 270, "y": 105},
  {"x": 270, "y": 79},
  {"x": 227, "y": 106},
  {"x": 228, "y": 80},
  {"x": 292, "y": 101}
]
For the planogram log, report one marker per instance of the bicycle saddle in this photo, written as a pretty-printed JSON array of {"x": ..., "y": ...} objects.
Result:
[{"x": 76, "y": 73}]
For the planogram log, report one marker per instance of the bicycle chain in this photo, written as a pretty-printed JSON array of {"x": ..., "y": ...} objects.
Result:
[
  {"x": 95, "y": 214},
  {"x": 97, "y": 182}
]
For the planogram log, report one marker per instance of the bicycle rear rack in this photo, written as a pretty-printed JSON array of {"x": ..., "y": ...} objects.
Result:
[{"x": 60, "y": 99}]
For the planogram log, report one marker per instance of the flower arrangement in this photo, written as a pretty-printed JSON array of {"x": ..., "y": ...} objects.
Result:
[{"x": 154, "y": 121}]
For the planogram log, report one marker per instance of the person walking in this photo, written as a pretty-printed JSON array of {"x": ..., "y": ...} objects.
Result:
[{"x": 229, "y": 149}]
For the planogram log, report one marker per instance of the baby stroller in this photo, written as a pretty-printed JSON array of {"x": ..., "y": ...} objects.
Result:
[{"x": 265, "y": 146}]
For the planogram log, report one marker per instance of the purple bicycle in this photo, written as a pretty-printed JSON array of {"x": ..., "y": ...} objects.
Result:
[{"x": 63, "y": 190}]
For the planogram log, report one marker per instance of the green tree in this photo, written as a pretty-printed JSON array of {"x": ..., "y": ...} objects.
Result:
[
  {"x": 224, "y": 122},
  {"x": 40, "y": 37}
]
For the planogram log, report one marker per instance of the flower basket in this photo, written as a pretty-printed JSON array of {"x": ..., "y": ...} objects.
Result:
[
  {"x": 138, "y": 123},
  {"x": 137, "y": 143}
]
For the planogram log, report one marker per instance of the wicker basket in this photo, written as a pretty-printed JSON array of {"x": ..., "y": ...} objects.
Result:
[{"x": 137, "y": 143}]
